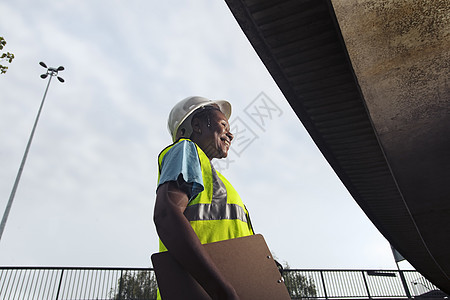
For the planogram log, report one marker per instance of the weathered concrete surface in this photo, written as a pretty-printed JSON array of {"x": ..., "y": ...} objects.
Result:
[{"x": 400, "y": 52}]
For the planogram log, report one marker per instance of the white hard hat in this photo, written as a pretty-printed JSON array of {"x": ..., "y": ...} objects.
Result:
[{"x": 181, "y": 114}]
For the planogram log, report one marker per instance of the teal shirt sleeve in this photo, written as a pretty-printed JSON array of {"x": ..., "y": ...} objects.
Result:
[{"x": 182, "y": 165}]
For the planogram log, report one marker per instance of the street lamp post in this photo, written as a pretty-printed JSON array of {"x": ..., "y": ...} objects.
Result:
[{"x": 50, "y": 73}]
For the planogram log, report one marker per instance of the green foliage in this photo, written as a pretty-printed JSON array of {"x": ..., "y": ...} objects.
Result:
[
  {"x": 140, "y": 285},
  {"x": 299, "y": 286},
  {"x": 4, "y": 56}
]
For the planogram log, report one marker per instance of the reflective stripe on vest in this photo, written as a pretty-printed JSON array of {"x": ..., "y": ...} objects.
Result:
[{"x": 217, "y": 213}]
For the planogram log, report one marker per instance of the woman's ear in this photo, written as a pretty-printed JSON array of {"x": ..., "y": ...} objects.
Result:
[{"x": 196, "y": 126}]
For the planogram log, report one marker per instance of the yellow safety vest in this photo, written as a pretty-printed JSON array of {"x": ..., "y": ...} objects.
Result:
[{"x": 214, "y": 220}]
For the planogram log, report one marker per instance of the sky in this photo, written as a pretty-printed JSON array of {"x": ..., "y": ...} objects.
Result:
[{"x": 87, "y": 191}]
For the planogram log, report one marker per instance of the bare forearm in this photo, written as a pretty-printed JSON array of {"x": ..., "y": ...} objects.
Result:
[{"x": 180, "y": 239}]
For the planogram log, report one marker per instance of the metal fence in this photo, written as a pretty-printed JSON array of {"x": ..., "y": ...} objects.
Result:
[
  {"x": 134, "y": 283},
  {"x": 76, "y": 283},
  {"x": 364, "y": 284}
]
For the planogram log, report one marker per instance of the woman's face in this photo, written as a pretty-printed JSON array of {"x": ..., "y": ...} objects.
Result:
[{"x": 215, "y": 136}]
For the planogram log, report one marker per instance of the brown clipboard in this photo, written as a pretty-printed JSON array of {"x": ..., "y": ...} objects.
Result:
[{"x": 246, "y": 262}]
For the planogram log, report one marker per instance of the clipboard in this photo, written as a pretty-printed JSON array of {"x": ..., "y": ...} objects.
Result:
[{"x": 246, "y": 262}]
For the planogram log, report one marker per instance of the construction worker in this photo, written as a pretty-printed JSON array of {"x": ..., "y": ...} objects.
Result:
[{"x": 195, "y": 204}]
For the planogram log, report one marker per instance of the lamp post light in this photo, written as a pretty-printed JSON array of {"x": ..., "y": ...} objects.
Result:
[{"x": 50, "y": 73}]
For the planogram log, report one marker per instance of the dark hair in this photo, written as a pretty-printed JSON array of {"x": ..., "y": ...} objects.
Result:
[{"x": 204, "y": 113}]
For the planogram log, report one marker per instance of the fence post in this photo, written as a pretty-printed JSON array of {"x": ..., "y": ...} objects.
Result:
[
  {"x": 405, "y": 286},
  {"x": 323, "y": 284},
  {"x": 367, "y": 286},
  {"x": 120, "y": 285},
  {"x": 59, "y": 285}
]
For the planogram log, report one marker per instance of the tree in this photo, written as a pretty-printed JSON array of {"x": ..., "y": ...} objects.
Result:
[
  {"x": 298, "y": 285},
  {"x": 136, "y": 285},
  {"x": 4, "y": 56}
]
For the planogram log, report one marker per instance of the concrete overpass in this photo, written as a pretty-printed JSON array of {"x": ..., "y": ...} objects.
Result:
[{"x": 369, "y": 79}]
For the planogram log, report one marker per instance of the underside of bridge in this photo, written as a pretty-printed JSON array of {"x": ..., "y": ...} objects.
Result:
[{"x": 369, "y": 79}]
